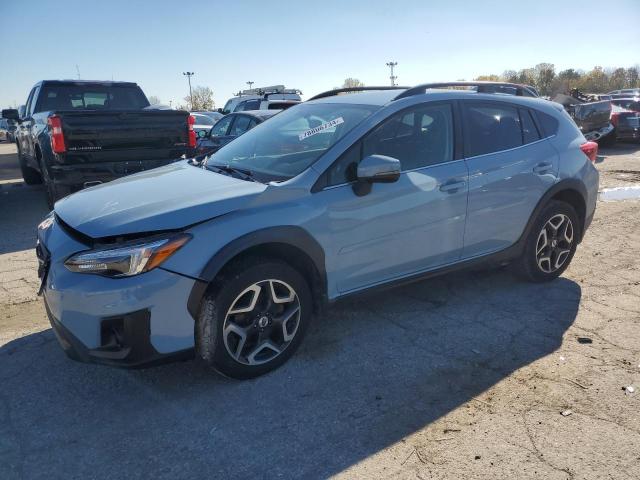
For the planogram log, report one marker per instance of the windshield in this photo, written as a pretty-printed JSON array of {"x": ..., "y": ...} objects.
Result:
[{"x": 291, "y": 141}]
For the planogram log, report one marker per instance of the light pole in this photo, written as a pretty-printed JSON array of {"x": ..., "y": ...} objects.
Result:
[
  {"x": 189, "y": 75},
  {"x": 392, "y": 77},
  {"x": 250, "y": 83}
]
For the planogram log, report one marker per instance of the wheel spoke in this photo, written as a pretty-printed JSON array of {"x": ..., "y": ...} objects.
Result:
[
  {"x": 254, "y": 291},
  {"x": 291, "y": 295},
  {"x": 567, "y": 232},
  {"x": 241, "y": 332},
  {"x": 266, "y": 345},
  {"x": 547, "y": 261},
  {"x": 292, "y": 314},
  {"x": 544, "y": 237},
  {"x": 561, "y": 256}
]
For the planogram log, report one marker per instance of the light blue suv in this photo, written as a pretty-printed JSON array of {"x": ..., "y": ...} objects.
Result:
[{"x": 335, "y": 196}]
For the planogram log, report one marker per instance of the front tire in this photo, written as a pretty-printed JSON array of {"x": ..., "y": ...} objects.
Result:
[
  {"x": 551, "y": 243},
  {"x": 253, "y": 318}
]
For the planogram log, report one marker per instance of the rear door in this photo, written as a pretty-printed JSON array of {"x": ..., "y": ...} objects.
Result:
[
  {"x": 510, "y": 167},
  {"x": 401, "y": 228}
]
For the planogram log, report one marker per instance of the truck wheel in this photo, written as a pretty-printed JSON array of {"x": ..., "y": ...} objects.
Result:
[
  {"x": 551, "y": 244},
  {"x": 253, "y": 318},
  {"x": 29, "y": 175}
]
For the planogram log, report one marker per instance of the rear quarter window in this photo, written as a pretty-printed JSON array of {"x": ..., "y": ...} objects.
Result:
[{"x": 548, "y": 124}]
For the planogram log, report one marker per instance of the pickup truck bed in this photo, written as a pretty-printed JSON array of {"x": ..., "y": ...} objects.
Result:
[{"x": 76, "y": 134}]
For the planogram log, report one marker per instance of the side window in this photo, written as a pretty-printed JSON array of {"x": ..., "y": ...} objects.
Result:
[
  {"x": 220, "y": 128},
  {"x": 418, "y": 137},
  {"x": 29, "y": 100},
  {"x": 529, "y": 130},
  {"x": 251, "y": 105},
  {"x": 240, "y": 126},
  {"x": 548, "y": 123},
  {"x": 252, "y": 123},
  {"x": 491, "y": 128}
]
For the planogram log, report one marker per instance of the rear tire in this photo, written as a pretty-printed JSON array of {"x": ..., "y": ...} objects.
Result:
[
  {"x": 253, "y": 318},
  {"x": 30, "y": 175},
  {"x": 551, "y": 243}
]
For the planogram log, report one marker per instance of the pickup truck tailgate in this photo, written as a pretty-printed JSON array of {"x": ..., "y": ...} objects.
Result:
[{"x": 113, "y": 136}]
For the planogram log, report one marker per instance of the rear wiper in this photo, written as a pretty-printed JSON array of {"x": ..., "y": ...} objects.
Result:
[{"x": 239, "y": 172}]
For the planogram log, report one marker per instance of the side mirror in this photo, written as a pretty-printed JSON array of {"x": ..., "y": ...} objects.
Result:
[
  {"x": 202, "y": 133},
  {"x": 11, "y": 114},
  {"x": 376, "y": 169},
  {"x": 220, "y": 111}
]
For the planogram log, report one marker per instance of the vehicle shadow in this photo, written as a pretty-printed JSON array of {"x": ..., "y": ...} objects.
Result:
[
  {"x": 22, "y": 207},
  {"x": 370, "y": 372}
]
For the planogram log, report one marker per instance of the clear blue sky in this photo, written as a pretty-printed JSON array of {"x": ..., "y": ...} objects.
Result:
[{"x": 313, "y": 45}]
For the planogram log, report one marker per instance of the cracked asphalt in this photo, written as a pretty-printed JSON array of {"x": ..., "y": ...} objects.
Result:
[{"x": 464, "y": 376}]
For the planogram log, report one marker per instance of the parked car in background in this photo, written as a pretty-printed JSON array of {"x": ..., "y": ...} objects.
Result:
[
  {"x": 276, "y": 97},
  {"x": 202, "y": 122},
  {"x": 75, "y": 134},
  {"x": 5, "y": 134},
  {"x": 215, "y": 116},
  {"x": 625, "y": 118},
  {"x": 337, "y": 196},
  {"x": 625, "y": 93},
  {"x": 229, "y": 127}
]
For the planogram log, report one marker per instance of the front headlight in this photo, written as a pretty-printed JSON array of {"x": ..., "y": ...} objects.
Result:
[{"x": 127, "y": 260}]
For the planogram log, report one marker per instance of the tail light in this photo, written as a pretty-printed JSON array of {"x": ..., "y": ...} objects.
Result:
[
  {"x": 614, "y": 119},
  {"x": 57, "y": 137},
  {"x": 191, "y": 121},
  {"x": 590, "y": 149}
]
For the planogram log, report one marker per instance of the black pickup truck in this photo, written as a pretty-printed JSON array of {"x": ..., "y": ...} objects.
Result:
[{"x": 75, "y": 134}]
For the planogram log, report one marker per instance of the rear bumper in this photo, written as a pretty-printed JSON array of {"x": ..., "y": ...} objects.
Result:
[{"x": 77, "y": 176}]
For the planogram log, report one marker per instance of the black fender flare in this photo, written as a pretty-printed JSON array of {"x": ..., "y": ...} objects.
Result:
[
  {"x": 292, "y": 236},
  {"x": 563, "y": 185}
]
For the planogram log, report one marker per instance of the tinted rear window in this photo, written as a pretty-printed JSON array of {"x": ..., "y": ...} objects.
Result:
[
  {"x": 90, "y": 97},
  {"x": 548, "y": 124}
]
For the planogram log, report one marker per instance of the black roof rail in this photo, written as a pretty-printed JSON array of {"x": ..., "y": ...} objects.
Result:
[
  {"x": 483, "y": 87},
  {"x": 336, "y": 91}
]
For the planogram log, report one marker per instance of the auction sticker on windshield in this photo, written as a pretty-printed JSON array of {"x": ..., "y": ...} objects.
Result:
[{"x": 321, "y": 128}]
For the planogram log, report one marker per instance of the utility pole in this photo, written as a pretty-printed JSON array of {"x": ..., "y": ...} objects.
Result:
[
  {"x": 78, "y": 70},
  {"x": 250, "y": 83},
  {"x": 393, "y": 78},
  {"x": 189, "y": 75}
]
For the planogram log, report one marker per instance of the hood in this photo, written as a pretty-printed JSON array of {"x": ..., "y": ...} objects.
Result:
[{"x": 165, "y": 198}]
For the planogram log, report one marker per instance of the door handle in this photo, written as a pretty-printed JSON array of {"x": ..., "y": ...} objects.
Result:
[
  {"x": 452, "y": 187},
  {"x": 542, "y": 168}
]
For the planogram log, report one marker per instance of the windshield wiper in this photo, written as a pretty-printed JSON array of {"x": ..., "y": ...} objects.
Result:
[{"x": 241, "y": 173}]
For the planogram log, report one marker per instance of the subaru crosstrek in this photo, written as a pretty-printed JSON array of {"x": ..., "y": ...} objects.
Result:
[{"x": 230, "y": 258}]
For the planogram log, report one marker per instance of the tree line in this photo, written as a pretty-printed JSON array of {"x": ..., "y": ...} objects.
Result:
[{"x": 549, "y": 83}]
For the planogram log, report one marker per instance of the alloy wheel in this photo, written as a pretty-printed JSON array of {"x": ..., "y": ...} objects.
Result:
[
  {"x": 261, "y": 322},
  {"x": 554, "y": 243}
]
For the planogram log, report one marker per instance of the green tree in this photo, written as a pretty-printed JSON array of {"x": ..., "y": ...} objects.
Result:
[
  {"x": 488, "y": 78},
  {"x": 352, "y": 83},
  {"x": 202, "y": 99},
  {"x": 544, "y": 75},
  {"x": 632, "y": 77}
]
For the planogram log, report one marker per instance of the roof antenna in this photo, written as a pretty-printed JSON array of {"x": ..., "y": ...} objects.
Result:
[{"x": 78, "y": 70}]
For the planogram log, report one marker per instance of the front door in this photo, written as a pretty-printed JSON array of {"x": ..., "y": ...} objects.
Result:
[{"x": 409, "y": 226}]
